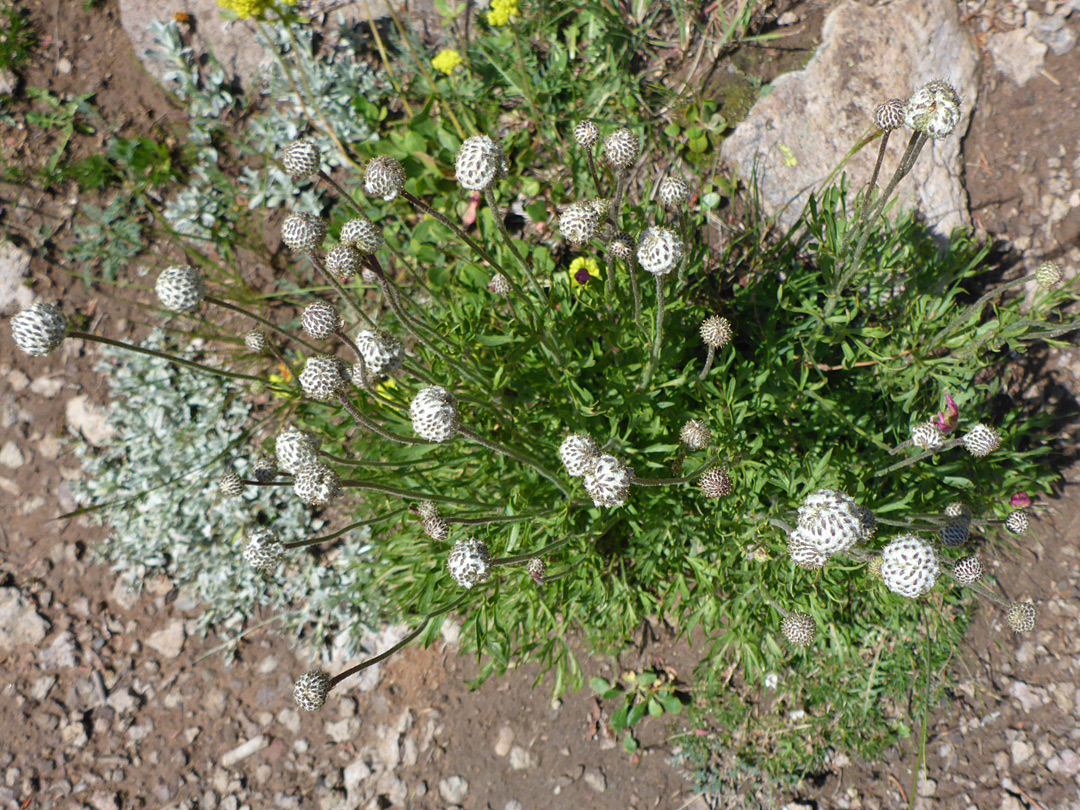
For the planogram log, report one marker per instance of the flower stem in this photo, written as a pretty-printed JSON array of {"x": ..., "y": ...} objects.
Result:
[
  {"x": 496, "y": 215},
  {"x": 210, "y": 299},
  {"x": 914, "y": 459},
  {"x": 516, "y": 455},
  {"x": 658, "y": 337},
  {"x": 358, "y": 524},
  {"x": 364, "y": 422},
  {"x": 708, "y": 363},
  {"x": 520, "y": 558}
]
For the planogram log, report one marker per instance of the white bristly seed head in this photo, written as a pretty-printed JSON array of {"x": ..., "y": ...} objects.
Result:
[
  {"x": 981, "y": 440},
  {"x": 955, "y": 533},
  {"x": 479, "y": 163},
  {"x": 803, "y": 551},
  {"x": 831, "y": 521},
  {"x": 934, "y": 109},
  {"x": 608, "y": 481},
  {"x": 659, "y": 251},
  {"x": 579, "y": 223},
  {"x": 311, "y": 689},
  {"x": 362, "y": 235},
  {"x": 1048, "y": 275},
  {"x": 264, "y": 468},
  {"x": 536, "y": 569},
  {"x": 968, "y": 570},
  {"x": 673, "y": 192},
  {"x": 320, "y": 320},
  {"x": 264, "y": 550},
  {"x": 231, "y": 485},
  {"x": 909, "y": 566},
  {"x": 382, "y": 352},
  {"x": 300, "y": 158},
  {"x": 255, "y": 340},
  {"x": 622, "y": 246},
  {"x": 1021, "y": 616},
  {"x": 715, "y": 483},
  {"x": 384, "y": 177},
  {"x": 296, "y": 448},
  {"x": 889, "y": 115},
  {"x": 621, "y": 148},
  {"x": 316, "y": 484},
  {"x": 469, "y": 562},
  {"x": 926, "y": 436},
  {"x": 799, "y": 628},
  {"x": 343, "y": 261},
  {"x": 695, "y": 435},
  {"x": 578, "y": 452},
  {"x": 715, "y": 331},
  {"x": 303, "y": 233},
  {"x": 1017, "y": 522},
  {"x": 324, "y": 377},
  {"x": 434, "y": 414},
  {"x": 587, "y": 134},
  {"x": 180, "y": 288},
  {"x": 39, "y": 329}
]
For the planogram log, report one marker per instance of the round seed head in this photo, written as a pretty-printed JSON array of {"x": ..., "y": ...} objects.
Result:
[
  {"x": 39, "y": 329},
  {"x": 231, "y": 484},
  {"x": 799, "y": 628},
  {"x": 427, "y": 509},
  {"x": 316, "y": 484},
  {"x": 579, "y": 223},
  {"x": 311, "y": 689},
  {"x": 926, "y": 436},
  {"x": 362, "y": 235},
  {"x": 873, "y": 568},
  {"x": 434, "y": 414},
  {"x": 968, "y": 570},
  {"x": 831, "y": 521},
  {"x": 1048, "y": 275},
  {"x": 803, "y": 551},
  {"x": 715, "y": 483},
  {"x": 1021, "y": 616},
  {"x": 436, "y": 528},
  {"x": 479, "y": 163},
  {"x": 499, "y": 285},
  {"x": 264, "y": 550},
  {"x": 934, "y": 109},
  {"x": 1017, "y": 522},
  {"x": 578, "y": 453},
  {"x": 673, "y": 192},
  {"x": 715, "y": 331},
  {"x": 867, "y": 523},
  {"x": 384, "y": 177},
  {"x": 180, "y": 289},
  {"x": 909, "y": 566},
  {"x": 303, "y": 233},
  {"x": 382, "y": 352},
  {"x": 695, "y": 435},
  {"x": 255, "y": 340},
  {"x": 958, "y": 510},
  {"x": 587, "y": 134},
  {"x": 622, "y": 148},
  {"x": 608, "y": 481},
  {"x": 300, "y": 158},
  {"x": 296, "y": 448},
  {"x": 320, "y": 320},
  {"x": 622, "y": 246},
  {"x": 889, "y": 115},
  {"x": 981, "y": 440},
  {"x": 659, "y": 251},
  {"x": 343, "y": 261},
  {"x": 536, "y": 569},
  {"x": 264, "y": 468},
  {"x": 469, "y": 562},
  {"x": 955, "y": 533},
  {"x": 323, "y": 377}
]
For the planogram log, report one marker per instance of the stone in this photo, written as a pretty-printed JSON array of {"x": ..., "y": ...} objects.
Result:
[
  {"x": 354, "y": 775},
  {"x": 243, "y": 751},
  {"x": 1017, "y": 54},
  {"x": 344, "y": 730},
  {"x": 50, "y": 447},
  {"x": 1052, "y": 31},
  {"x": 60, "y": 654},
  {"x": 595, "y": 780},
  {"x": 453, "y": 789},
  {"x": 503, "y": 741},
  {"x": 521, "y": 759},
  {"x": 122, "y": 596},
  {"x": 86, "y": 418},
  {"x": 14, "y": 268},
  {"x": 47, "y": 387},
  {"x": 122, "y": 701},
  {"x": 169, "y": 641},
  {"x": 796, "y": 135},
  {"x": 1021, "y": 751},
  {"x": 290, "y": 719},
  {"x": 20, "y": 624},
  {"x": 1066, "y": 762},
  {"x": 11, "y": 456}
]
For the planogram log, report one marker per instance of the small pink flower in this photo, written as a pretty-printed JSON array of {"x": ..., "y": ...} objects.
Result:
[
  {"x": 948, "y": 419},
  {"x": 1020, "y": 500},
  {"x": 469, "y": 217}
]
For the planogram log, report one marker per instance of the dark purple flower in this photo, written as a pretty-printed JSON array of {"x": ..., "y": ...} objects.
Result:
[{"x": 582, "y": 276}]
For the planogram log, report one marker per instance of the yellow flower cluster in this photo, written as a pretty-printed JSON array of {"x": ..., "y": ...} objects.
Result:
[
  {"x": 501, "y": 11},
  {"x": 446, "y": 61},
  {"x": 245, "y": 9}
]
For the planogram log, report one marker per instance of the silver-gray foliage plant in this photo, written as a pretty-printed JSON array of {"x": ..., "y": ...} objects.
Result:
[{"x": 175, "y": 432}]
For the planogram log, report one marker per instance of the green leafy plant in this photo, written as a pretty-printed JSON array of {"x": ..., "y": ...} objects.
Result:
[
  {"x": 637, "y": 694},
  {"x": 17, "y": 37}
]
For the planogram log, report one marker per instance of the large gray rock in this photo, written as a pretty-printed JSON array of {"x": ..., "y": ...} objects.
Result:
[
  {"x": 795, "y": 136},
  {"x": 14, "y": 267}
]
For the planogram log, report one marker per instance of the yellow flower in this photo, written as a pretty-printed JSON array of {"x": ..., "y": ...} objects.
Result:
[
  {"x": 245, "y": 9},
  {"x": 501, "y": 11},
  {"x": 446, "y": 61},
  {"x": 386, "y": 386},
  {"x": 582, "y": 271}
]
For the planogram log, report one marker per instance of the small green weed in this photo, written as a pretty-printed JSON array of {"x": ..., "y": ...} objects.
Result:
[
  {"x": 17, "y": 37},
  {"x": 637, "y": 694}
]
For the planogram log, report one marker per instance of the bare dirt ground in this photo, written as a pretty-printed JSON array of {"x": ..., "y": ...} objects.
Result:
[{"x": 109, "y": 703}]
